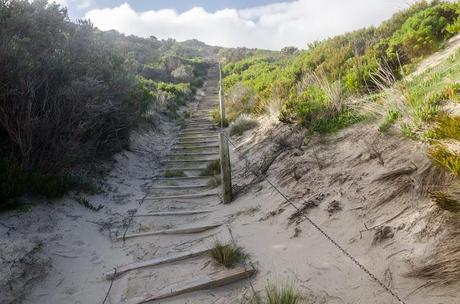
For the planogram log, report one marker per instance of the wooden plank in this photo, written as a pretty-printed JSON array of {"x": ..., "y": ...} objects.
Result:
[
  {"x": 213, "y": 280},
  {"x": 183, "y": 169},
  {"x": 184, "y": 187},
  {"x": 225, "y": 169},
  {"x": 195, "y": 147},
  {"x": 148, "y": 198},
  {"x": 154, "y": 262},
  {"x": 172, "y": 213},
  {"x": 178, "y": 161},
  {"x": 195, "y": 154},
  {"x": 183, "y": 178},
  {"x": 186, "y": 230}
]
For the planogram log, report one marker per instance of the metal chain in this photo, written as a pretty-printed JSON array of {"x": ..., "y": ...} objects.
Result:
[{"x": 324, "y": 233}]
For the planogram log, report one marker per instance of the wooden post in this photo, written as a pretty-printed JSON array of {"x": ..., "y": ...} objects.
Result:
[{"x": 225, "y": 168}]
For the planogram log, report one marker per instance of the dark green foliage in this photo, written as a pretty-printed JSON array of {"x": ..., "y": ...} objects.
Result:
[
  {"x": 12, "y": 181},
  {"x": 445, "y": 159},
  {"x": 71, "y": 94}
]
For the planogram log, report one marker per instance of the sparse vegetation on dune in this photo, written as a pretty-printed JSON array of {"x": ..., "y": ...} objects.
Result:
[
  {"x": 212, "y": 169},
  {"x": 318, "y": 87},
  {"x": 228, "y": 255}
]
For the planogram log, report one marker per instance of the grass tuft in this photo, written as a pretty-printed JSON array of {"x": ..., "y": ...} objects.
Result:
[
  {"x": 390, "y": 118},
  {"x": 213, "y": 168},
  {"x": 446, "y": 159},
  {"x": 241, "y": 124},
  {"x": 228, "y": 255},
  {"x": 174, "y": 173},
  {"x": 284, "y": 293}
]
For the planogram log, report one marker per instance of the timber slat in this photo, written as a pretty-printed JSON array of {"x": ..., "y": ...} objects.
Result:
[
  {"x": 213, "y": 280},
  {"x": 186, "y": 196},
  {"x": 154, "y": 262},
  {"x": 186, "y": 230},
  {"x": 173, "y": 213}
]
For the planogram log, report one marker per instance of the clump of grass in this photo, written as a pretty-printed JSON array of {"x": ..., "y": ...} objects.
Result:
[
  {"x": 242, "y": 124},
  {"x": 215, "y": 116},
  {"x": 446, "y": 159},
  {"x": 407, "y": 130},
  {"x": 284, "y": 293},
  {"x": 228, "y": 255},
  {"x": 446, "y": 201},
  {"x": 174, "y": 173},
  {"x": 442, "y": 267},
  {"x": 446, "y": 127},
  {"x": 86, "y": 203},
  {"x": 390, "y": 118},
  {"x": 213, "y": 168},
  {"x": 215, "y": 181}
]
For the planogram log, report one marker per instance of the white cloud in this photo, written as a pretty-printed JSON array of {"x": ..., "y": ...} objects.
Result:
[{"x": 271, "y": 26}]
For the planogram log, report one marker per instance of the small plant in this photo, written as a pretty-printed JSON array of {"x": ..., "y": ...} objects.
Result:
[
  {"x": 228, "y": 255},
  {"x": 407, "y": 131},
  {"x": 215, "y": 181},
  {"x": 86, "y": 203},
  {"x": 213, "y": 168},
  {"x": 174, "y": 173},
  {"x": 242, "y": 124},
  {"x": 391, "y": 117},
  {"x": 446, "y": 159},
  {"x": 285, "y": 293}
]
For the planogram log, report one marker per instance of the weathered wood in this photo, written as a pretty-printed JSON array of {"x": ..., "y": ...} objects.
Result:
[
  {"x": 195, "y": 154},
  {"x": 172, "y": 213},
  {"x": 189, "y": 160},
  {"x": 183, "y": 196},
  {"x": 221, "y": 100},
  {"x": 225, "y": 170},
  {"x": 182, "y": 169},
  {"x": 213, "y": 280},
  {"x": 183, "y": 178},
  {"x": 154, "y": 262},
  {"x": 184, "y": 187},
  {"x": 194, "y": 147},
  {"x": 186, "y": 230}
]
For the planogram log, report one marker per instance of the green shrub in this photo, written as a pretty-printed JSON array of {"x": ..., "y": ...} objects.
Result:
[
  {"x": 445, "y": 159},
  {"x": 446, "y": 202},
  {"x": 13, "y": 182},
  {"x": 446, "y": 127}
]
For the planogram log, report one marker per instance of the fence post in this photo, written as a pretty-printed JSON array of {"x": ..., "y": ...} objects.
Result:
[{"x": 225, "y": 168}]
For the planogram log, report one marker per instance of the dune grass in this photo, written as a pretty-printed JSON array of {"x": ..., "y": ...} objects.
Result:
[
  {"x": 447, "y": 127},
  {"x": 283, "y": 293},
  {"x": 174, "y": 173},
  {"x": 242, "y": 124},
  {"x": 228, "y": 255},
  {"x": 213, "y": 168}
]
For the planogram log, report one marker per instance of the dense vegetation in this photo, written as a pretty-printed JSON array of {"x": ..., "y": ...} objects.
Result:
[
  {"x": 71, "y": 94},
  {"x": 312, "y": 87}
]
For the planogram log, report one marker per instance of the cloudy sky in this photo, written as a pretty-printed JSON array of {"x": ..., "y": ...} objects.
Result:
[{"x": 252, "y": 23}]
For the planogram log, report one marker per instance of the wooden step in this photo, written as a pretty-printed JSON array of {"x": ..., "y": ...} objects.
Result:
[
  {"x": 190, "y": 161},
  {"x": 194, "y": 154},
  {"x": 178, "y": 187},
  {"x": 195, "y": 147},
  {"x": 213, "y": 280},
  {"x": 172, "y": 213},
  {"x": 184, "y": 230},
  {"x": 154, "y": 262},
  {"x": 181, "y": 196}
]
